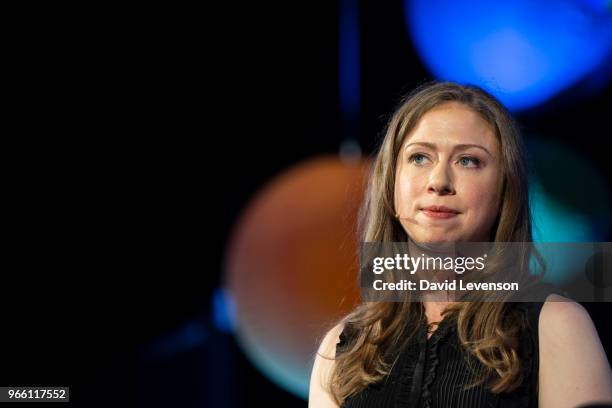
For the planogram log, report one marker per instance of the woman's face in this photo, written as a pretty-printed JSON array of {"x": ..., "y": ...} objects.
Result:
[{"x": 450, "y": 159}]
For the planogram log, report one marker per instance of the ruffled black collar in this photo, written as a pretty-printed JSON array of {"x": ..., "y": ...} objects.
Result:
[{"x": 419, "y": 364}]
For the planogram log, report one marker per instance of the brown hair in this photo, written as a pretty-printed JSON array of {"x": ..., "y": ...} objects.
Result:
[{"x": 487, "y": 330}]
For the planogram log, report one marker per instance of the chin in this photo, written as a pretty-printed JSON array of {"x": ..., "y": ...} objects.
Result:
[{"x": 434, "y": 239}]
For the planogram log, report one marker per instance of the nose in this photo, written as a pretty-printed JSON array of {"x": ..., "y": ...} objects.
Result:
[{"x": 440, "y": 182}]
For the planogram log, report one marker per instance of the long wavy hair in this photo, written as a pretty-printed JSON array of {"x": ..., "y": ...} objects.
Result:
[{"x": 488, "y": 331}]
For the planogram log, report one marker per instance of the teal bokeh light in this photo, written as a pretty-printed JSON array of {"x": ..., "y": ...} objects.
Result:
[{"x": 570, "y": 202}]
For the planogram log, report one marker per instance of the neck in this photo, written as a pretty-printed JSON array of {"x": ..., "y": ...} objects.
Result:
[{"x": 434, "y": 309}]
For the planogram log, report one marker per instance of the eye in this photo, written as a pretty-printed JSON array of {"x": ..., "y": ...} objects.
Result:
[
  {"x": 465, "y": 161},
  {"x": 417, "y": 158}
]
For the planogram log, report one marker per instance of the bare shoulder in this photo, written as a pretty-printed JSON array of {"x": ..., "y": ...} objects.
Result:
[
  {"x": 324, "y": 363},
  {"x": 574, "y": 368},
  {"x": 565, "y": 326},
  {"x": 559, "y": 312},
  {"x": 331, "y": 338}
]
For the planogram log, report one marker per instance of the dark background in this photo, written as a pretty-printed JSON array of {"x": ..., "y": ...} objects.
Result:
[{"x": 133, "y": 140}]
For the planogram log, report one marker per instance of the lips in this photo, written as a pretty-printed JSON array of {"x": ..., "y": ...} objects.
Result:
[
  {"x": 440, "y": 208},
  {"x": 439, "y": 212}
]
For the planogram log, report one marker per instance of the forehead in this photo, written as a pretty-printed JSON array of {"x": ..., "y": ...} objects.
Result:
[{"x": 453, "y": 123}]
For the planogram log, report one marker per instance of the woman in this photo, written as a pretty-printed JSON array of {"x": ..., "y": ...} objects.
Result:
[{"x": 456, "y": 146}]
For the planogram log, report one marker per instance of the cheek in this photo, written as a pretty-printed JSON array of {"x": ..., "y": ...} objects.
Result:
[
  {"x": 481, "y": 197},
  {"x": 409, "y": 188}
]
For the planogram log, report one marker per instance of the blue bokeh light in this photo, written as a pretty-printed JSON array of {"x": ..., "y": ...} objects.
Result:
[
  {"x": 523, "y": 52},
  {"x": 224, "y": 311}
]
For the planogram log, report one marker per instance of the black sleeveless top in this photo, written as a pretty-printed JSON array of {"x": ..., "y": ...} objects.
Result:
[{"x": 431, "y": 372}]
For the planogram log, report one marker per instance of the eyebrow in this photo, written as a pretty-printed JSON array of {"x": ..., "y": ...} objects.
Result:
[{"x": 457, "y": 147}]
